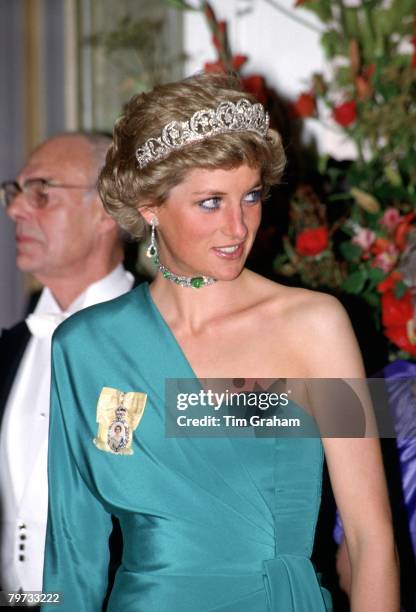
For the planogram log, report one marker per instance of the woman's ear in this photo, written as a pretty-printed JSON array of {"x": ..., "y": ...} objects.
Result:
[{"x": 147, "y": 212}]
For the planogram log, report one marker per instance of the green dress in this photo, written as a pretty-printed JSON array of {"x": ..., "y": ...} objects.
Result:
[{"x": 209, "y": 524}]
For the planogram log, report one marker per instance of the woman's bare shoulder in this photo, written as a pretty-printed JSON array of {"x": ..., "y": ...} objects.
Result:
[
  {"x": 296, "y": 303},
  {"x": 314, "y": 328}
]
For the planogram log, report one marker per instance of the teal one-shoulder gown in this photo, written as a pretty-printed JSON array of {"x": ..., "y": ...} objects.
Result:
[{"x": 209, "y": 524}]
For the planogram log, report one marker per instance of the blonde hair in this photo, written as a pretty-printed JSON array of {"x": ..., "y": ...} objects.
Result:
[{"x": 124, "y": 187}]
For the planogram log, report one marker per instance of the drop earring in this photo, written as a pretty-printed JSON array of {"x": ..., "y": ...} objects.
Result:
[
  {"x": 183, "y": 281},
  {"x": 151, "y": 251}
]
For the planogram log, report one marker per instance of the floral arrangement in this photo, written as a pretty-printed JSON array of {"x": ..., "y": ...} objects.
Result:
[
  {"x": 356, "y": 233},
  {"x": 368, "y": 247},
  {"x": 226, "y": 61}
]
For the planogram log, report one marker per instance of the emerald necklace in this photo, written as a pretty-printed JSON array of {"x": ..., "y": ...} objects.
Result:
[{"x": 196, "y": 282}]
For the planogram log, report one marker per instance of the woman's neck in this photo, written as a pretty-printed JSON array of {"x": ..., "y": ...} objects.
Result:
[{"x": 192, "y": 309}]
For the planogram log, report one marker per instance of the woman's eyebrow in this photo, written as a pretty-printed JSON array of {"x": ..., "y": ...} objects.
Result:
[
  {"x": 221, "y": 193},
  {"x": 209, "y": 192}
]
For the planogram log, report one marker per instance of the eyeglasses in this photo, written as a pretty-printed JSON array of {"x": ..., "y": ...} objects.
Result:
[{"x": 36, "y": 191}]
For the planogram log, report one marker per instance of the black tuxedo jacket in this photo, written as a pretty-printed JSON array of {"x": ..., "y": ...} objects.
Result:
[{"x": 13, "y": 343}]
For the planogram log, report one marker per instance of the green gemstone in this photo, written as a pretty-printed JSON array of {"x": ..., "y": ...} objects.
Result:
[
  {"x": 166, "y": 274},
  {"x": 197, "y": 282}
]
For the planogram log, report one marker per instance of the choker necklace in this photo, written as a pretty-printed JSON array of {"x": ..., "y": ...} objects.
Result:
[{"x": 196, "y": 282}]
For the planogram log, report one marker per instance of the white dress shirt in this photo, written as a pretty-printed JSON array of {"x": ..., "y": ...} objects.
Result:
[{"x": 24, "y": 439}]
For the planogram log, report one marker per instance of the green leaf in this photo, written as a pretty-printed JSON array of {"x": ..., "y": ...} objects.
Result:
[
  {"x": 352, "y": 22},
  {"x": 289, "y": 250},
  {"x": 337, "y": 197},
  {"x": 402, "y": 355},
  {"x": 393, "y": 176},
  {"x": 321, "y": 8},
  {"x": 323, "y": 163},
  {"x": 375, "y": 276},
  {"x": 350, "y": 251},
  {"x": 400, "y": 289},
  {"x": 355, "y": 282},
  {"x": 372, "y": 299},
  {"x": 182, "y": 5},
  {"x": 279, "y": 261},
  {"x": 330, "y": 43},
  {"x": 346, "y": 229}
]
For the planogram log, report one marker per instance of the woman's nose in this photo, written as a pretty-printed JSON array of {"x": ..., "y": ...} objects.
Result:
[{"x": 234, "y": 225}]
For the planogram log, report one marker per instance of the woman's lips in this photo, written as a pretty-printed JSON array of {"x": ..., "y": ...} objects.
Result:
[{"x": 230, "y": 252}]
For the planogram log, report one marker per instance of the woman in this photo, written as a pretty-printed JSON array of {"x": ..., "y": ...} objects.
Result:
[{"x": 208, "y": 523}]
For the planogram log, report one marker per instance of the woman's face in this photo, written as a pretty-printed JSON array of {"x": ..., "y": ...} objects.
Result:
[{"x": 208, "y": 223}]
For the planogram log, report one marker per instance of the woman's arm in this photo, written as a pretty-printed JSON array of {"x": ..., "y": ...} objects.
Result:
[
  {"x": 76, "y": 552},
  {"x": 355, "y": 468},
  {"x": 343, "y": 567}
]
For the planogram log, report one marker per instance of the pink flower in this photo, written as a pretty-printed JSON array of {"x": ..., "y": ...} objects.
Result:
[
  {"x": 364, "y": 238},
  {"x": 386, "y": 259},
  {"x": 391, "y": 218}
]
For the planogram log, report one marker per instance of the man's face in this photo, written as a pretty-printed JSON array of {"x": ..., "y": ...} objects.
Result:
[{"x": 57, "y": 239}]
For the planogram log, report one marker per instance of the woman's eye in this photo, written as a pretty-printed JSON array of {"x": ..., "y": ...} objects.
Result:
[
  {"x": 210, "y": 204},
  {"x": 253, "y": 197}
]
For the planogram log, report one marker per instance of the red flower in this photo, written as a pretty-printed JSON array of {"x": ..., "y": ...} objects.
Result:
[
  {"x": 397, "y": 320},
  {"x": 345, "y": 114},
  {"x": 399, "y": 335},
  {"x": 305, "y": 105},
  {"x": 256, "y": 85},
  {"x": 363, "y": 82},
  {"x": 390, "y": 282},
  {"x": 380, "y": 245},
  {"x": 404, "y": 227},
  {"x": 414, "y": 52},
  {"x": 396, "y": 311},
  {"x": 369, "y": 71},
  {"x": 312, "y": 241},
  {"x": 217, "y": 66},
  {"x": 236, "y": 62},
  {"x": 364, "y": 87}
]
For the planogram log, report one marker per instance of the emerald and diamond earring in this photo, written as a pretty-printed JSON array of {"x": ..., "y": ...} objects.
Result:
[
  {"x": 195, "y": 282},
  {"x": 151, "y": 251}
]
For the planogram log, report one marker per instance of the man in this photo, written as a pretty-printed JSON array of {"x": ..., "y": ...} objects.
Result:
[{"x": 72, "y": 246}]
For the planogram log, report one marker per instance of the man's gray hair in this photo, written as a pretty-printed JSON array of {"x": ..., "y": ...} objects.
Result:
[{"x": 100, "y": 143}]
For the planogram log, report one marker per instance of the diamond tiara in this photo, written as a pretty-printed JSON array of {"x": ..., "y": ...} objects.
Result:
[{"x": 242, "y": 116}]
